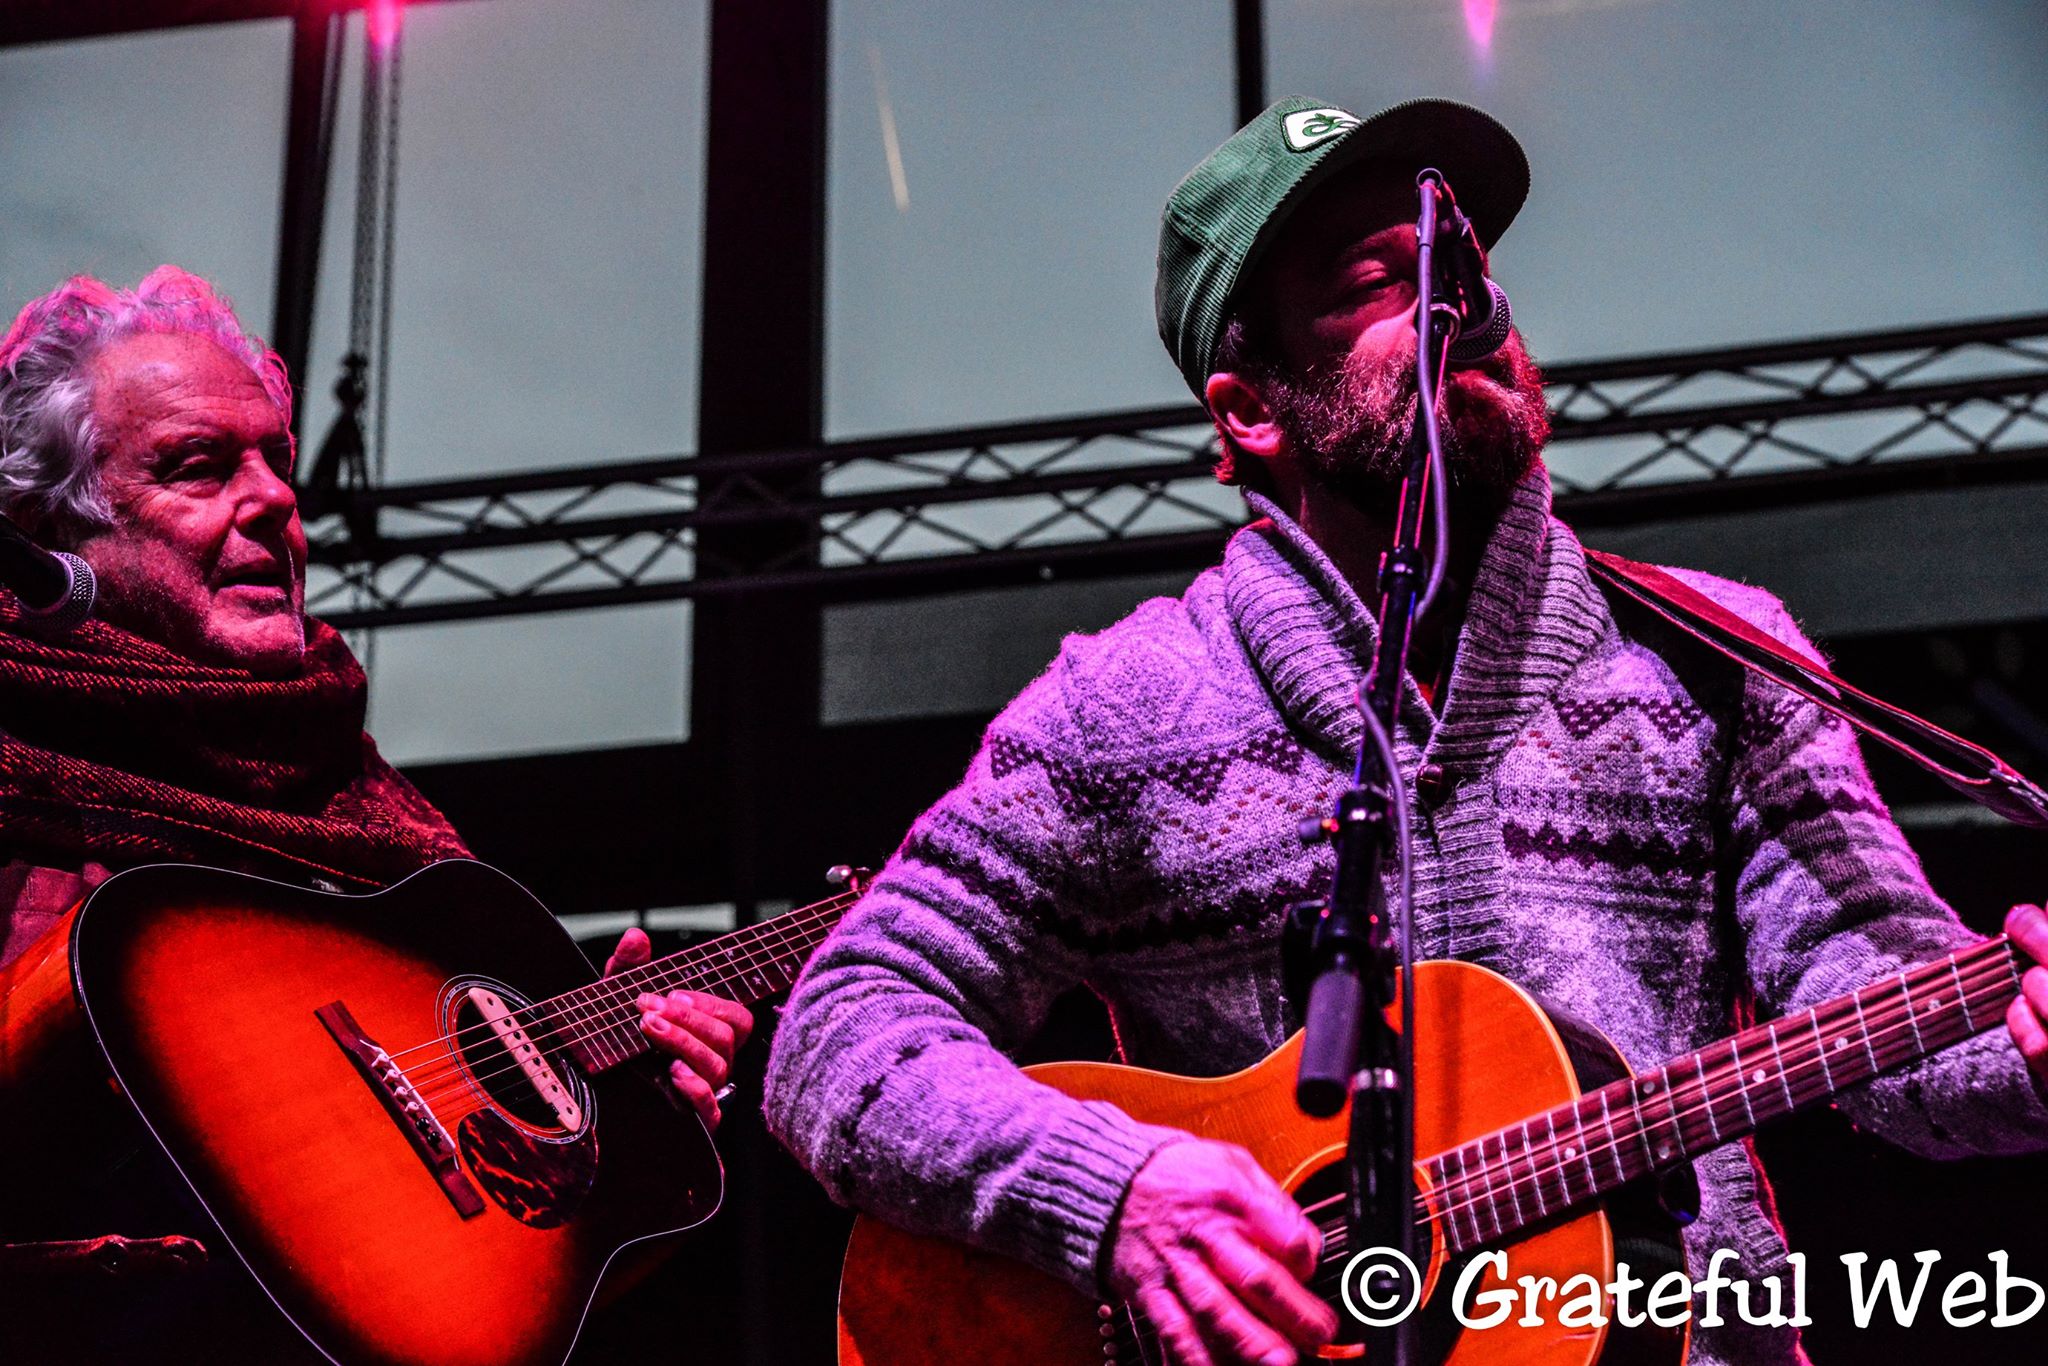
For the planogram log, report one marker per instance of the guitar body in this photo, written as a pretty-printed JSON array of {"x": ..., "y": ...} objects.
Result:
[
  {"x": 1486, "y": 1056},
  {"x": 200, "y": 989}
]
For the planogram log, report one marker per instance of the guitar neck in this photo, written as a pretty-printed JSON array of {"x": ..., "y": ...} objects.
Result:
[
  {"x": 1554, "y": 1162},
  {"x": 600, "y": 1023}
]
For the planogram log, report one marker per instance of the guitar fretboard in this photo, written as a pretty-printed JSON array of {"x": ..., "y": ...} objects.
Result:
[
  {"x": 1527, "y": 1173},
  {"x": 600, "y": 1023}
]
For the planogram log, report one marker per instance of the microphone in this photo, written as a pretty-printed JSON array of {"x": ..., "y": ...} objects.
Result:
[
  {"x": 55, "y": 587},
  {"x": 1481, "y": 305},
  {"x": 1487, "y": 332}
]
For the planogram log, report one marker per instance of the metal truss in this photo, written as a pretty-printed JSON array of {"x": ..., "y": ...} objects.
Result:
[
  {"x": 1634, "y": 439},
  {"x": 1715, "y": 430}
]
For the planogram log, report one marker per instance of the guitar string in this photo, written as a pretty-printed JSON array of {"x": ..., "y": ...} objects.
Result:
[
  {"x": 764, "y": 951},
  {"x": 1466, "y": 1192},
  {"x": 1988, "y": 984},
  {"x": 829, "y": 905},
  {"x": 454, "y": 1074},
  {"x": 456, "y": 1084},
  {"x": 769, "y": 952},
  {"x": 1997, "y": 966},
  {"x": 1320, "y": 1282},
  {"x": 1830, "y": 1014},
  {"x": 763, "y": 944},
  {"x": 1991, "y": 982},
  {"x": 761, "y": 949},
  {"x": 592, "y": 1019},
  {"x": 1990, "y": 979},
  {"x": 759, "y": 953},
  {"x": 1336, "y": 1240},
  {"x": 1489, "y": 1181},
  {"x": 1333, "y": 1249},
  {"x": 1470, "y": 1189},
  {"x": 1994, "y": 973}
]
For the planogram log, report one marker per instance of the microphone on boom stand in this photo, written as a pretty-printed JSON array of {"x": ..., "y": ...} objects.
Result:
[
  {"x": 1483, "y": 316},
  {"x": 1350, "y": 956}
]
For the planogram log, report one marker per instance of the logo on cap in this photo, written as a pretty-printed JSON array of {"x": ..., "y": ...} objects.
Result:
[{"x": 1313, "y": 127}]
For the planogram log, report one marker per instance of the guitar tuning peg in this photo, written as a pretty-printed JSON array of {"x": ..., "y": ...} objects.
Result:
[{"x": 850, "y": 877}]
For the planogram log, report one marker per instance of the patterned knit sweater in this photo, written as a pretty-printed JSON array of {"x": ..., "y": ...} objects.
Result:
[{"x": 1634, "y": 830}]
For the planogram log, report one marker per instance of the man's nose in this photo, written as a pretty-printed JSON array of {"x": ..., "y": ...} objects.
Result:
[{"x": 261, "y": 494}]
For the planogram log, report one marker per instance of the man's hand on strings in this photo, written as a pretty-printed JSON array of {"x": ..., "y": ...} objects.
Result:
[
  {"x": 699, "y": 1032},
  {"x": 2027, "y": 927},
  {"x": 1216, "y": 1255}
]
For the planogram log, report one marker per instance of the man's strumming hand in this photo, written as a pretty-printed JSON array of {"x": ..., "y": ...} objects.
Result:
[{"x": 1215, "y": 1254}]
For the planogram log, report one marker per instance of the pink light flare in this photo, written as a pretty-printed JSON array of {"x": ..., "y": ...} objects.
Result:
[
  {"x": 1479, "y": 17},
  {"x": 383, "y": 18}
]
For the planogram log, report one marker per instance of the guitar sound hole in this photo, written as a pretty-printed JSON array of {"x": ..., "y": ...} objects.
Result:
[
  {"x": 495, "y": 1069},
  {"x": 1323, "y": 1196}
]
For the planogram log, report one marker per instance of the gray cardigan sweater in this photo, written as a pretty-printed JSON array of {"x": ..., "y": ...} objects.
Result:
[{"x": 1630, "y": 828}]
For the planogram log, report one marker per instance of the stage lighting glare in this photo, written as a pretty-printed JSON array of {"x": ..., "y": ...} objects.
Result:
[
  {"x": 383, "y": 19},
  {"x": 1479, "y": 17}
]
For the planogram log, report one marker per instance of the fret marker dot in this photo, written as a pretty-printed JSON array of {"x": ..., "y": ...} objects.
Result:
[
  {"x": 1758, "y": 1076},
  {"x": 1664, "y": 1151},
  {"x": 1570, "y": 1151},
  {"x": 1841, "y": 1044}
]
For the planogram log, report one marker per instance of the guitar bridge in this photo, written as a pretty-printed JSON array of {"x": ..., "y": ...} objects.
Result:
[{"x": 408, "y": 1111}]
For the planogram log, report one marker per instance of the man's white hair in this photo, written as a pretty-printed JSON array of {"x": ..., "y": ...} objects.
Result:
[{"x": 49, "y": 444}]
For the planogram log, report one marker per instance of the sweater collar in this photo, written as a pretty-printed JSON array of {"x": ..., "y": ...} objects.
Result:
[{"x": 1532, "y": 615}]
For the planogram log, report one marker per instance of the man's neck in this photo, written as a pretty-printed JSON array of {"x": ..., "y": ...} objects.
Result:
[{"x": 1356, "y": 535}]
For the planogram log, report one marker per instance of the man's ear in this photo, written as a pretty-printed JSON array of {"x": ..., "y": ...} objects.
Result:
[{"x": 1242, "y": 416}]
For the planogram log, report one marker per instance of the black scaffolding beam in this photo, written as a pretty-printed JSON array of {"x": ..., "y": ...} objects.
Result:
[
  {"x": 302, "y": 206},
  {"x": 756, "y": 660},
  {"x": 1248, "y": 25}
]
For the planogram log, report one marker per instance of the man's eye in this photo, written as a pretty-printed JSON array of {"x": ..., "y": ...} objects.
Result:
[
  {"x": 195, "y": 462},
  {"x": 1365, "y": 287}
]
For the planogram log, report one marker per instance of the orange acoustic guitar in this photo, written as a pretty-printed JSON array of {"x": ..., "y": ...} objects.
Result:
[
  {"x": 1545, "y": 1148},
  {"x": 418, "y": 1117}
]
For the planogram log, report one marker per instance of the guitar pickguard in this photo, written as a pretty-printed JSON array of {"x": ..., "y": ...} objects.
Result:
[{"x": 540, "y": 1182}]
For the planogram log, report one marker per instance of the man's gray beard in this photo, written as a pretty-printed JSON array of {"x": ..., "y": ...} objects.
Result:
[{"x": 1352, "y": 424}]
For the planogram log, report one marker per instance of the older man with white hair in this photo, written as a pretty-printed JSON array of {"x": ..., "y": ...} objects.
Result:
[{"x": 202, "y": 717}]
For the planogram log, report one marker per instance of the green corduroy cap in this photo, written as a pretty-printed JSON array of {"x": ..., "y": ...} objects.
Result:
[{"x": 1228, "y": 209}]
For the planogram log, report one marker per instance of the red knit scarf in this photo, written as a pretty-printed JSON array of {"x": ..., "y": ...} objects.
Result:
[{"x": 119, "y": 751}]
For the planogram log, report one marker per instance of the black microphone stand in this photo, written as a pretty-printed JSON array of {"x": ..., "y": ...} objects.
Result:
[{"x": 1356, "y": 960}]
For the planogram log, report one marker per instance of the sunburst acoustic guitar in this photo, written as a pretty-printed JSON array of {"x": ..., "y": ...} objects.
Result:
[
  {"x": 1545, "y": 1148},
  {"x": 418, "y": 1116}
]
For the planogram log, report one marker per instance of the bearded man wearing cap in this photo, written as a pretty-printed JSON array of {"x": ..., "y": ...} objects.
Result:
[{"x": 1643, "y": 836}]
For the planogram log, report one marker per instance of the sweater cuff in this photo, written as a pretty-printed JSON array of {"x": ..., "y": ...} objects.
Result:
[
  {"x": 1074, "y": 1187},
  {"x": 1976, "y": 1099},
  {"x": 1990, "y": 1067}
]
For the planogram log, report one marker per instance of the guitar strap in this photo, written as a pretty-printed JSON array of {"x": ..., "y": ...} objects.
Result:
[{"x": 1975, "y": 772}]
